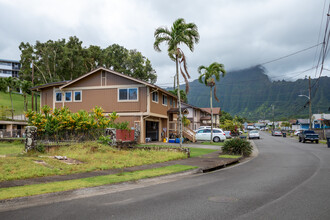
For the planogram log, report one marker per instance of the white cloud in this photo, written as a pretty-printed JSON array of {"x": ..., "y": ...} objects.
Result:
[{"x": 238, "y": 34}]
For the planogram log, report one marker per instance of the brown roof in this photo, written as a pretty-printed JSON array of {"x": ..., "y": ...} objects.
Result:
[
  {"x": 216, "y": 111},
  {"x": 49, "y": 84},
  {"x": 64, "y": 84}
]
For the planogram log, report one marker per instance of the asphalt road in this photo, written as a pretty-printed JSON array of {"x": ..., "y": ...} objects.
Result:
[{"x": 288, "y": 180}]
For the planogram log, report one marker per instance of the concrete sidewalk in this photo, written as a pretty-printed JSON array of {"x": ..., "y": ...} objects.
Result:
[{"x": 205, "y": 163}]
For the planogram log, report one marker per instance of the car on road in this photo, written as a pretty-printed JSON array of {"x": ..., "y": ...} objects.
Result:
[
  {"x": 308, "y": 135},
  {"x": 228, "y": 134},
  {"x": 276, "y": 133},
  {"x": 253, "y": 134},
  {"x": 296, "y": 132},
  {"x": 205, "y": 135}
]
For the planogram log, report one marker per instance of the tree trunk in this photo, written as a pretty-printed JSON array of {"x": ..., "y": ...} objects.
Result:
[
  {"x": 179, "y": 99},
  {"x": 211, "y": 139},
  {"x": 12, "y": 106}
]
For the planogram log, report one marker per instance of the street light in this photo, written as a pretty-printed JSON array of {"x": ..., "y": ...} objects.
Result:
[{"x": 310, "y": 110}]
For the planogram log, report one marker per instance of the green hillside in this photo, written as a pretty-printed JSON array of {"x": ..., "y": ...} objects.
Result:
[
  {"x": 18, "y": 102},
  {"x": 250, "y": 93}
]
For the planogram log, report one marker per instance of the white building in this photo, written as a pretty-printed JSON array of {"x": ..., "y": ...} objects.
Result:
[{"x": 9, "y": 68}]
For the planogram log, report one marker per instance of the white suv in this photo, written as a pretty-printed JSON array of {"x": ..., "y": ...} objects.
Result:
[{"x": 205, "y": 135}]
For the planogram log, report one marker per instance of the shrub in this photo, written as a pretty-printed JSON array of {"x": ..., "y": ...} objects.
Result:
[
  {"x": 237, "y": 146},
  {"x": 104, "y": 139}
]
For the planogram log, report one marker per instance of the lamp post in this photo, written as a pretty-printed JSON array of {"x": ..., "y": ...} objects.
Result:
[{"x": 310, "y": 110}]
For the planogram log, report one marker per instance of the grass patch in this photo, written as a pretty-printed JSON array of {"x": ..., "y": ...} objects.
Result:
[
  {"x": 230, "y": 156},
  {"x": 197, "y": 152},
  {"x": 323, "y": 141},
  {"x": 94, "y": 156},
  {"x": 18, "y": 102},
  {"x": 11, "y": 148},
  {"x": 36, "y": 189},
  {"x": 213, "y": 143},
  {"x": 194, "y": 152}
]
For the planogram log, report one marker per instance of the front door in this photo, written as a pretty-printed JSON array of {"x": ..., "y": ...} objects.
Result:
[{"x": 152, "y": 131}]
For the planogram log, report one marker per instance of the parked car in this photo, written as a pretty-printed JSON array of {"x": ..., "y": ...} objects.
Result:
[
  {"x": 297, "y": 132},
  {"x": 308, "y": 135},
  {"x": 276, "y": 133},
  {"x": 228, "y": 134},
  {"x": 205, "y": 135},
  {"x": 254, "y": 134}
]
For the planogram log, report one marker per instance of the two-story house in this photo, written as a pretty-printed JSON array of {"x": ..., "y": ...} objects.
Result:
[
  {"x": 142, "y": 104},
  {"x": 206, "y": 116}
]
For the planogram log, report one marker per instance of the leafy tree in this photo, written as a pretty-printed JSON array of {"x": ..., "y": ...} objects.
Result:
[
  {"x": 183, "y": 94},
  {"x": 225, "y": 116},
  {"x": 180, "y": 33},
  {"x": 65, "y": 60},
  {"x": 12, "y": 84},
  {"x": 208, "y": 77}
]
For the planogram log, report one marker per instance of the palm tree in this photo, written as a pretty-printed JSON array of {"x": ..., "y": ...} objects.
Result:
[
  {"x": 11, "y": 83},
  {"x": 26, "y": 88},
  {"x": 180, "y": 33},
  {"x": 208, "y": 77}
]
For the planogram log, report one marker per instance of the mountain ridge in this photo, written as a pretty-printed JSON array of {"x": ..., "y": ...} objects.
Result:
[{"x": 250, "y": 93}]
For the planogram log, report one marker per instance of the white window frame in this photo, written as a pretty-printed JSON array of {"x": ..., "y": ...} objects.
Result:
[
  {"x": 128, "y": 100},
  {"x": 74, "y": 96},
  {"x": 65, "y": 96},
  {"x": 165, "y": 104},
  {"x": 61, "y": 96},
  {"x": 152, "y": 97}
]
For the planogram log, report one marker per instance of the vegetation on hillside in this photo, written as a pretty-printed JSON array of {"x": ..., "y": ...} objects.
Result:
[{"x": 250, "y": 93}]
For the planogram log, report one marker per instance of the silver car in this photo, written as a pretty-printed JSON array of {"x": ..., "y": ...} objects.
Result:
[{"x": 254, "y": 134}]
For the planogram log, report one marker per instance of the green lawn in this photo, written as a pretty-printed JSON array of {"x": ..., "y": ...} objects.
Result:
[
  {"x": 197, "y": 152},
  {"x": 18, "y": 102},
  {"x": 230, "y": 156},
  {"x": 11, "y": 148},
  {"x": 36, "y": 189},
  {"x": 213, "y": 143},
  {"x": 194, "y": 152},
  {"x": 92, "y": 156}
]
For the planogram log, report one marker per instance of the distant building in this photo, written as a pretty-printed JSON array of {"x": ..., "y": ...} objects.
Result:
[{"x": 9, "y": 68}]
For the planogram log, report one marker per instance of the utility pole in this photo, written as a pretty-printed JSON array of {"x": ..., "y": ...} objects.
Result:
[
  {"x": 310, "y": 103},
  {"x": 32, "y": 95},
  {"x": 273, "y": 117}
]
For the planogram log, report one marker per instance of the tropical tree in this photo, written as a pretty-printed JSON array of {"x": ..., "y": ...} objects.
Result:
[
  {"x": 180, "y": 33},
  {"x": 183, "y": 94},
  {"x": 208, "y": 75},
  {"x": 12, "y": 84},
  {"x": 26, "y": 88}
]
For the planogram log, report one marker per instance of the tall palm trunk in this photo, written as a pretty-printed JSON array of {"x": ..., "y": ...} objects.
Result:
[
  {"x": 179, "y": 98},
  {"x": 12, "y": 106},
  {"x": 211, "y": 138}
]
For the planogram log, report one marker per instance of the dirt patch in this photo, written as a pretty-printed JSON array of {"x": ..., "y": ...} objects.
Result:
[
  {"x": 68, "y": 160},
  {"x": 43, "y": 163}
]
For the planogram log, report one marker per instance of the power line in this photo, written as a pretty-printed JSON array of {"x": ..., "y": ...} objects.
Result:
[{"x": 286, "y": 56}]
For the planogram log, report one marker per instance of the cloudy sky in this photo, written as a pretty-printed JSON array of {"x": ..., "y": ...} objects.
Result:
[{"x": 237, "y": 33}]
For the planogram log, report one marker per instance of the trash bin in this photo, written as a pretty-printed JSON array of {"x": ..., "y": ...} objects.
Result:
[
  {"x": 284, "y": 134},
  {"x": 328, "y": 142}
]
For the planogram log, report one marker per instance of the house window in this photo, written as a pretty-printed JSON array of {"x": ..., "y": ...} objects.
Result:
[
  {"x": 129, "y": 94},
  {"x": 58, "y": 96},
  {"x": 155, "y": 96},
  {"x": 195, "y": 113},
  {"x": 77, "y": 96},
  {"x": 68, "y": 96},
  {"x": 171, "y": 101},
  {"x": 164, "y": 100}
]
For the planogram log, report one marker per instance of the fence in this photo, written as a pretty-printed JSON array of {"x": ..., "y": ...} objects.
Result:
[
  {"x": 70, "y": 135},
  {"x": 11, "y": 133}
]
